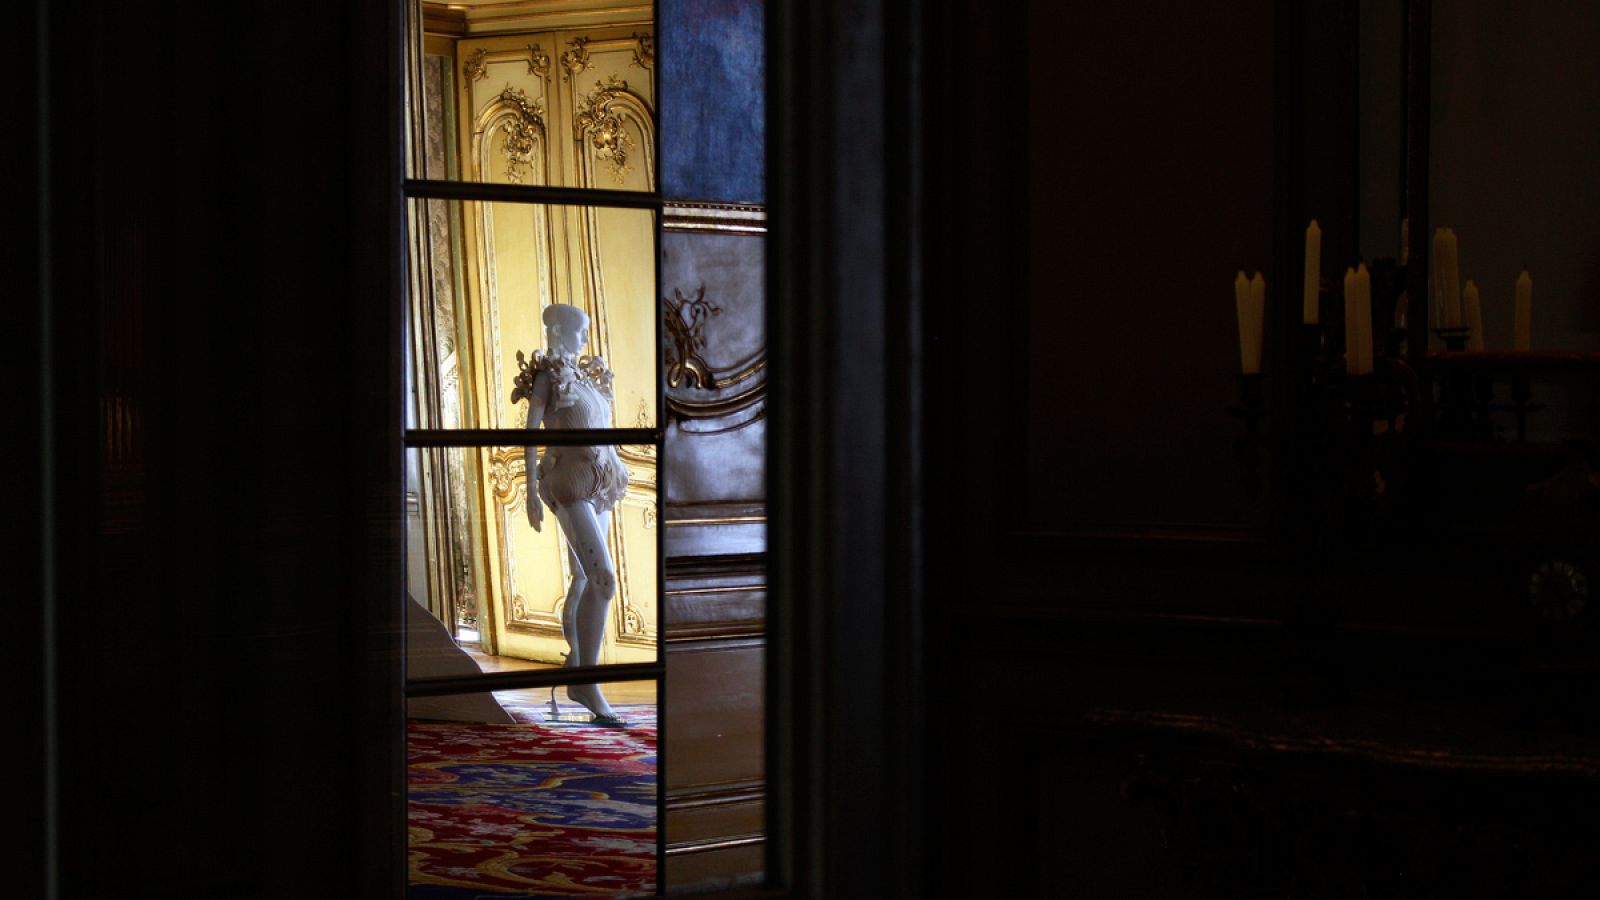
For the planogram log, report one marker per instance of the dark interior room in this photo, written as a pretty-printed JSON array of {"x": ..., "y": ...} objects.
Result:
[{"x": 857, "y": 448}]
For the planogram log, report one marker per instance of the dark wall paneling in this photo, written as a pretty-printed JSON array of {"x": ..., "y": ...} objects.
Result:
[
  {"x": 715, "y": 761},
  {"x": 1085, "y": 272},
  {"x": 1104, "y": 655},
  {"x": 1147, "y": 188},
  {"x": 1230, "y": 761},
  {"x": 717, "y": 724},
  {"x": 713, "y": 290},
  {"x": 713, "y": 293},
  {"x": 232, "y": 298},
  {"x": 721, "y": 596},
  {"x": 717, "y": 865},
  {"x": 1515, "y": 132},
  {"x": 718, "y": 462},
  {"x": 716, "y": 529},
  {"x": 713, "y": 92}
]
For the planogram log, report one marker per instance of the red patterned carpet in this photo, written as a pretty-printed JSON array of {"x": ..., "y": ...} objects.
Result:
[{"x": 532, "y": 809}]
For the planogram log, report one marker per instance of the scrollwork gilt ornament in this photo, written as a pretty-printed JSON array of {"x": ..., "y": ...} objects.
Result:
[
  {"x": 522, "y": 131},
  {"x": 507, "y": 477},
  {"x": 599, "y": 119},
  {"x": 686, "y": 333},
  {"x": 575, "y": 61},
  {"x": 476, "y": 68},
  {"x": 644, "y": 51},
  {"x": 645, "y": 419},
  {"x": 500, "y": 475},
  {"x": 538, "y": 61}
]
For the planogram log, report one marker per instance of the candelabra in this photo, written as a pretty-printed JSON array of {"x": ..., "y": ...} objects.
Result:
[
  {"x": 1252, "y": 411},
  {"x": 1399, "y": 445},
  {"x": 1347, "y": 432}
]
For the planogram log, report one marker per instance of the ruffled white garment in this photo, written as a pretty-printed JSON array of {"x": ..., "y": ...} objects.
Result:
[{"x": 580, "y": 397}]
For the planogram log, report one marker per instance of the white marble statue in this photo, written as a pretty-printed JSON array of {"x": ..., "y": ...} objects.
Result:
[{"x": 579, "y": 484}]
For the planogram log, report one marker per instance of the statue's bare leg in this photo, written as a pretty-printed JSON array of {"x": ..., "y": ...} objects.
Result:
[
  {"x": 569, "y": 608},
  {"x": 586, "y": 535}
]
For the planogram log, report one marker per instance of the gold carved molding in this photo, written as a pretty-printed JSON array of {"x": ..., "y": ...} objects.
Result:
[
  {"x": 686, "y": 336},
  {"x": 575, "y": 61},
  {"x": 476, "y": 68},
  {"x": 644, "y": 51},
  {"x": 538, "y": 61},
  {"x": 698, "y": 216},
  {"x": 482, "y": 19},
  {"x": 439, "y": 19},
  {"x": 509, "y": 477},
  {"x": 600, "y": 120},
  {"x": 523, "y": 130},
  {"x": 685, "y": 319}
]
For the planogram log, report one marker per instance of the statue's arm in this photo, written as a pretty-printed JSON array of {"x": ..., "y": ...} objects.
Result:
[{"x": 538, "y": 399}]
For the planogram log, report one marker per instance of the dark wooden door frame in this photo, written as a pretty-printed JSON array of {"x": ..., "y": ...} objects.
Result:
[{"x": 844, "y": 667}]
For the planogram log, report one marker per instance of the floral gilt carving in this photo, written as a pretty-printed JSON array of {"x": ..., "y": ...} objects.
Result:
[
  {"x": 632, "y": 620},
  {"x": 538, "y": 61},
  {"x": 600, "y": 119},
  {"x": 476, "y": 68},
  {"x": 522, "y": 130},
  {"x": 575, "y": 61},
  {"x": 644, "y": 51}
]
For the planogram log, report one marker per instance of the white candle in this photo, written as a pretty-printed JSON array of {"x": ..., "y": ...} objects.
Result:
[
  {"x": 1249, "y": 299},
  {"x": 1364, "y": 317},
  {"x": 1474, "y": 311},
  {"x": 1357, "y": 322},
  {"x": 1313, "y": 270},
  {"x": 1258, "y": 311},
  {"x": 1447, "y": 278},
  {"x": 1524, "y": 325}
]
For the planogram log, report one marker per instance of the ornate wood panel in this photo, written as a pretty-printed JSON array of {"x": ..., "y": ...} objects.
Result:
[
  {"x": 570, "y": 107},
  {"x": 713, "y": 306},
  {"x": 713, "y": 297}
]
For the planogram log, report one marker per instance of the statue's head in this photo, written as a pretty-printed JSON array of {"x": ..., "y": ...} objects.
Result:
[{"x": 567, "y": 327}]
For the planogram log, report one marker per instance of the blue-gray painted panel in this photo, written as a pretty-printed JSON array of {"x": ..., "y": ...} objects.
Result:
[{"x": 712, "y": 59}]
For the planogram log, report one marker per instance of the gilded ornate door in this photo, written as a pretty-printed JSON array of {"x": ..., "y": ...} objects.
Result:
[{"x": 568, "y": 109}]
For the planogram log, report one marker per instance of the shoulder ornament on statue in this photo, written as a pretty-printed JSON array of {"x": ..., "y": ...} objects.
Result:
[{"x": 563, "y": 372}]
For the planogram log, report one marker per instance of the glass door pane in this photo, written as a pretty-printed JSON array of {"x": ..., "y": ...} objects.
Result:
[
  {"x": 508, "y": 591},
  {"x": 486, "y": 280},
  {"x": 534, "y": 547},
  {"x": 506, "y": 799},
  {"x": 565, "y": 106}
]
